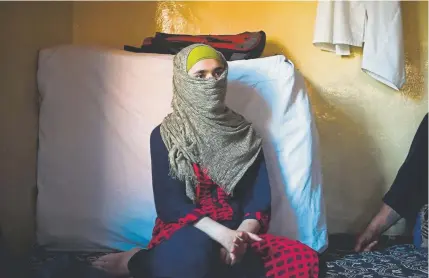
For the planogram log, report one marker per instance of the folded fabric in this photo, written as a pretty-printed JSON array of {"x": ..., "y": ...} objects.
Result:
[{"x": 243, "y": 46}]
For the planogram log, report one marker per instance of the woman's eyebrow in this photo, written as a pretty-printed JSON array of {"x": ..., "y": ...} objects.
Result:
[{"x": 200, "y": 71}]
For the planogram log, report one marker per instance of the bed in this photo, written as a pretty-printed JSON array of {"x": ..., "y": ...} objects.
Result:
[{"x": 98, "y": 108}]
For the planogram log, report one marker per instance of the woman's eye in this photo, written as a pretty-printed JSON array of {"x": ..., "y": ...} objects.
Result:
[
  {"x": 200, "y": 75},
  {"x": 219, "y": 73}
]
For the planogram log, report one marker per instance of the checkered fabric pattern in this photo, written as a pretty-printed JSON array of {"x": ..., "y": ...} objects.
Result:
[{"x": 282, "y": 257}]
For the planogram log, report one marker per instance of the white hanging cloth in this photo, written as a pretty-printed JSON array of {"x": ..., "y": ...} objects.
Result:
[{"x": 375, "y": 25}]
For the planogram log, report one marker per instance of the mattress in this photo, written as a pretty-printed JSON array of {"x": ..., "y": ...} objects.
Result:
[
  {"x": 394, "y": 258},
  {"x": 98, "y": 108}
]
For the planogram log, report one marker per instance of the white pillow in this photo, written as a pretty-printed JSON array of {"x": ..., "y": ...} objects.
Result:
[
  {"x": 271, "y": 94},
  {"x": 98, "y": 108}
]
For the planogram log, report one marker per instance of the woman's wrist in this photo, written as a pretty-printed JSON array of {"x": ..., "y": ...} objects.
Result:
[
  {"x": 385, "y": 218},
  {"x": 218, "y": 232},
  {"x": 227, "y": 239},
  {"x": 250, "y": 225}
]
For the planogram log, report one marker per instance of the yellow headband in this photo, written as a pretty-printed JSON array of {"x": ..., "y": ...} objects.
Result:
[{"x": 200, "y": 53}]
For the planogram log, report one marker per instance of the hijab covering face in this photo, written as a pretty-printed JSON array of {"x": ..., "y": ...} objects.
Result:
[{"x": 202, "y": 130}]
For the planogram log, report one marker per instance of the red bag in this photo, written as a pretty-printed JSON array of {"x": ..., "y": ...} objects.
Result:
[{"x": 243, "y": 46}]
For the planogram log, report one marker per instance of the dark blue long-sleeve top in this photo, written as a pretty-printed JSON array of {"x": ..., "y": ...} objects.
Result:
[
  {"x": 409, "y": 191},
  {"x": 251, "y": 198},
  {"x": 274, "y": 256}
]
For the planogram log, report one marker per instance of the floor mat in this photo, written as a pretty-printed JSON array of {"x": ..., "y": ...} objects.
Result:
[
  {"x": 393, "y": 258},
  {"x": 396, "y": 261},
  {"x": 49, "y": 264}
]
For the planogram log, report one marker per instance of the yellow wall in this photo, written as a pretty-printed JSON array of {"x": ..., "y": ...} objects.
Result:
[
  {"x": 24, "y": 29},
  {"x": 365, "y": 127},
  {"x": 113, "y": 23}
]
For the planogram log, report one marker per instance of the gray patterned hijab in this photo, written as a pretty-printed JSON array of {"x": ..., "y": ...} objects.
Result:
[{"x": 202, "y": 130}]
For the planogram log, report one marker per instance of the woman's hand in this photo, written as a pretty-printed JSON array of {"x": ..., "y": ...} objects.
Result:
[
  {"x": 384, "y": 219},
  {"x": 234, "y": 242},
  {"x": 236, "y": 246},
  {"x": 225, "y": 256},
  {"x": 367, "y": 240}
]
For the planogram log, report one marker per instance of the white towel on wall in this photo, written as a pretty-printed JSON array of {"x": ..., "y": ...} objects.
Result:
[{"x": 375, "y": 24}]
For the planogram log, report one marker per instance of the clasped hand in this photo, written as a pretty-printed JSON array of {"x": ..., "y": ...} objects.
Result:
[{"x": 236, "y": 247}]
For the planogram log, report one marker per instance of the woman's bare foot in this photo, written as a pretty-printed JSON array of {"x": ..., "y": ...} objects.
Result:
[{"x": 116, "y": 264}]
